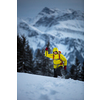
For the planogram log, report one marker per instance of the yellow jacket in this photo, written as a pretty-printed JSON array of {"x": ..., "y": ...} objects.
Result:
[{"x": 57, "y": 62}]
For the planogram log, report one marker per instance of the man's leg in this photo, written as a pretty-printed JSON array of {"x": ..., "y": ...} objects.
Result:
[
  {"x": 55, "y": 74},
  {"x": 58, "y": 71}
]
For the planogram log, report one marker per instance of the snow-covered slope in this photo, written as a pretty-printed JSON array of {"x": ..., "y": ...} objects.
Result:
[{"x": 35, "y": 87}]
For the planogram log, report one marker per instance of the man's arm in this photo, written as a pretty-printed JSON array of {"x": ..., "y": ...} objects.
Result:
[
  {"x": 48, "y": 55},
  {"x": 63, "y": 59}
]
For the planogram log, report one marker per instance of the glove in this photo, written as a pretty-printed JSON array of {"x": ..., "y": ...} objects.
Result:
[
  {"x": 65, "y": 67},
  {"x": 46, "y": 49}
]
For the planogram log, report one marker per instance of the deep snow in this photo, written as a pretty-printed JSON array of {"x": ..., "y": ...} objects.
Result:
[{"x": 36, "y": 87}]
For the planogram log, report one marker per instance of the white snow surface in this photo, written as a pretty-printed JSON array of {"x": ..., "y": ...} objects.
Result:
[{"x": 36, "y": 87}]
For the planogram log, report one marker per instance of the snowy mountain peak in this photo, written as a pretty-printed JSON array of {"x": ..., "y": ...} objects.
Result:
[{"x": 47, "y": 10}]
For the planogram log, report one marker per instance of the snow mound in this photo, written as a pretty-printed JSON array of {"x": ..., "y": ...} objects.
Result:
[{"x": 36, "y": 87}]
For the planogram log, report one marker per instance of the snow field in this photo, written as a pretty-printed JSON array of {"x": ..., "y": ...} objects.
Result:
[{"x": 36, "y": 87}]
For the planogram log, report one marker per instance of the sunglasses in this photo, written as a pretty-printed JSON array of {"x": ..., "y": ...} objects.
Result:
[{"x": 55, "y": 51}]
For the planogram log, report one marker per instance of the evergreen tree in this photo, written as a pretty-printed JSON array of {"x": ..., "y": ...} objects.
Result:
[
  {"x": 77, "y": 71},
  {"x": 43, "y": 65},
  {"x": 82, "y": 73},
  {"x": 73, "y": 72},
  {"x": 48, "y": 62},
  {"x": 19, "y": 53},
  {"x": 24, "y": 55},
  {"x": 23, "y": 48},
  {"x": 28, "y": 58}
]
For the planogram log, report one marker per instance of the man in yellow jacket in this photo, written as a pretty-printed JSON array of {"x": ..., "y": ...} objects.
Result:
[{"x": 58, "y": 60}]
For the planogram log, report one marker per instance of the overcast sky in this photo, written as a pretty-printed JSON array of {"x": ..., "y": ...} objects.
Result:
[{"x": 30, "y": 8}]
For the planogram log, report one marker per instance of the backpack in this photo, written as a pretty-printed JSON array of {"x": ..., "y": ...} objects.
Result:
[{"x": 59, "y": 58}]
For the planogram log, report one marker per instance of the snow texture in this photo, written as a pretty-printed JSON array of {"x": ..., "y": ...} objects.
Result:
[{"x": 36, "y": 87}]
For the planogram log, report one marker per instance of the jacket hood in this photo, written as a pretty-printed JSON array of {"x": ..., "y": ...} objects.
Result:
[{"x": 55, "y": 49}]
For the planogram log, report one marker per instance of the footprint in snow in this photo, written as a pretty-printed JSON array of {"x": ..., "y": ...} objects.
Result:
[{"x": 53, "y": 92}]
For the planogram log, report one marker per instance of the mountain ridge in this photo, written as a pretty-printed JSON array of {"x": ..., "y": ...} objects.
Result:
[{"x": 65, "y": 31}]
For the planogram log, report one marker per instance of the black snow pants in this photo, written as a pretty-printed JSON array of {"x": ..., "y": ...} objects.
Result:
[{"x": 57, "y": 71}]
